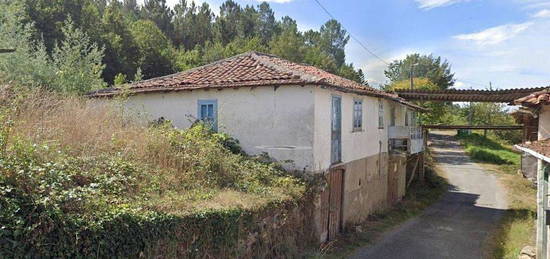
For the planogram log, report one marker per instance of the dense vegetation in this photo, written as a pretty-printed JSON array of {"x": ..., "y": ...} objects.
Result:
[
  {"x": 78, "y": 179},
  {"x": 135, "y": 41}
]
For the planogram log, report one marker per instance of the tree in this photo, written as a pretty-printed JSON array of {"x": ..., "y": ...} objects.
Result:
[
  {"x": 77, "y": 62},
  {"x": 347, "y": 71},
  {"x": 439, "y": 111},
  {"x": 192, "y": 25},
  {"x": 316, "y": 57},
  {"x": 333, "y": 40},
  {"x": 290, "y": 43},
  {"x": 227, "y": 23},
  {"x": 158, "y": 12},
  {"x": 48, "y": 18},
  {"x": 267, "y": 26},
  {"x": 29, "y": 65},
  {"x": 436, "y": 70},
  {"x": 121, "y": 51},
  {"x": 155, "y": 50}
]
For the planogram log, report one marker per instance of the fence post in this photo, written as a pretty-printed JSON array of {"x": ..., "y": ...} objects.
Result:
[{"x": 542, "y": 229}]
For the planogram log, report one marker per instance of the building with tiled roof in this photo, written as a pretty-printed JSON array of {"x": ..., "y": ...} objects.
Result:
[
  {"x": 310, "y": 120},
  {"x": 535, "y": 99},
  {"x": 250, "y": 69}
]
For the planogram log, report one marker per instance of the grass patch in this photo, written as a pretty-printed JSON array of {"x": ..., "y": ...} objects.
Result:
[
  {"x": 419, "y": 196},
  {"x": 517, "y": 227},
  {"x": 483, "y": 149}
]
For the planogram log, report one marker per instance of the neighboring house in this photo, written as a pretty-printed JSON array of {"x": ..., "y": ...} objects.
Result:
[
  {"x": 538, "y": 104},
  {"x": 530, "y": 122},
  {"x": 323, "y": 123}
]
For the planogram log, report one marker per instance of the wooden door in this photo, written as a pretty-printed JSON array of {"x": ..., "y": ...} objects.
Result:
[{"x": 336, "y": 185}]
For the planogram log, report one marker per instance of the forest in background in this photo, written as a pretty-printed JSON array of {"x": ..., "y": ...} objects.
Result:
[
  {"x": 75, "y": 46},
  {"x": 154, "y": 39}
]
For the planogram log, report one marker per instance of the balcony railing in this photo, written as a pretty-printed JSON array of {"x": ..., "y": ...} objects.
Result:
[{"x": 404, "y": 136}]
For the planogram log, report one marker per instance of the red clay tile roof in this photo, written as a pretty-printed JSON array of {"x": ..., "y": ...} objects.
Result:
[
  {"x": 250, "y": 69},
  {"x": 541, "y": 146},
  {"x": 535, "y": 99}
]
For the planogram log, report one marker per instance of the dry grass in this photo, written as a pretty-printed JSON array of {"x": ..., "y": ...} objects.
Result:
[{"x": 182, "y": 170}]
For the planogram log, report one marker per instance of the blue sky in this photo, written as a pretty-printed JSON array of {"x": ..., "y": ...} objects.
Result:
[{"x": 506, "y": 42}]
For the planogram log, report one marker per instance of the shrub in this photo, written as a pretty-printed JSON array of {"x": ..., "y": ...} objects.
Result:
[
  {"x": 79, "y": 179},
  {"x": 74, "y": 66}
]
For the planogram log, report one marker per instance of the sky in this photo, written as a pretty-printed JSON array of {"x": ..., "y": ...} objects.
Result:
[{"x": 502, "y": 42}]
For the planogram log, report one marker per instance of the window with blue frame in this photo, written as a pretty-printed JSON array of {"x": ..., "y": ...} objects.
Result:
[
  {"x": 357, "y": 115},
  {"x": 208, "y": 113}
]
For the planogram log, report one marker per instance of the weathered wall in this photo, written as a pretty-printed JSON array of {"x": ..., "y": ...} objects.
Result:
[
  {"x": 372, "y": 184},
  {"x": 364, "y": 153},
  {"x": 355, "y": 145},
  {"x": 544, "y": 122},
  {"x": 278, "y": 121}
]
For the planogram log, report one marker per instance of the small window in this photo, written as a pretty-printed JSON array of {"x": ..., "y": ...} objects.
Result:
[
  {"x": 392, "y": 115},
  {"x": 208, "y": 113},
  {"x": 357, "y": 115},
  {"x": 380, "y": 114},
  {"x": 406, "y": 117}
]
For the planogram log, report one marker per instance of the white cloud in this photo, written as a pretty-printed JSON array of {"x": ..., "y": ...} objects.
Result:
[
  {"x": 520, "y": 61},
  {"x": 459, "y": 84},
  {"x": 495, "y": 35},
  {"x": 545, "y": 13},
  {"x": 429, "y": 4}
]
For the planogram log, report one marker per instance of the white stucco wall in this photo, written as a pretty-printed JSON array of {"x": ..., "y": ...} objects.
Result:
[
  {"x": 278, "y": 121},
  {"x": 355, "y": 145},
  {"x": 544, "y": 122}
]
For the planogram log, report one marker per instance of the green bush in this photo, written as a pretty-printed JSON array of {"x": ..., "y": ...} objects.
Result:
[
  {"x": 166, "y": 192},
  {"x": 488, "y": 150}
]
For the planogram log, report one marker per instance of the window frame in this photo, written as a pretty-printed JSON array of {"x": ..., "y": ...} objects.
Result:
[
  {"x": 214, "y": 103},
  {"x": 357, "y": 115},
  {"x": 380, "y": 114},
  {"x": 393, "y": 115}
]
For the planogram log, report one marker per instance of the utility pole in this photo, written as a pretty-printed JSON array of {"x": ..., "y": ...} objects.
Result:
[{"x": 411, "y": 74}]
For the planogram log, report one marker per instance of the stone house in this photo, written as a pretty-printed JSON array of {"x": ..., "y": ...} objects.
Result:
[{"x": 358, "y": 137}]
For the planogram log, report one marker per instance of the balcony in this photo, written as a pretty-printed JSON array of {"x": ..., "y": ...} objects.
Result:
[{"x": 406, "y": 139}]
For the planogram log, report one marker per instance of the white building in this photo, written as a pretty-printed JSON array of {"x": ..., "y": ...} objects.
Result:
[{"x": 320, "y": 122}]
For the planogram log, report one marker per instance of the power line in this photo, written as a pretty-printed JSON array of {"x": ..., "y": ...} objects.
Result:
[{"x": 351, "y": 35}]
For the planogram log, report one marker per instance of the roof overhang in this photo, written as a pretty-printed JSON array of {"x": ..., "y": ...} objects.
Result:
[
  {"x": 112, "y": 92},
  {"x": 464, "y": 95}
]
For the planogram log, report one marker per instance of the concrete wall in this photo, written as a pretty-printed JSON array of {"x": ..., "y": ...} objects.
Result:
[
  {"x": 544, "y": 122},
  {"x": 278, "y": 121},
  {"x": 364, "y": 153}
]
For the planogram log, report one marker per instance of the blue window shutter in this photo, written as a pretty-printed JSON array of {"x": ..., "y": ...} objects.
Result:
[{"x": 207, "y": 110}]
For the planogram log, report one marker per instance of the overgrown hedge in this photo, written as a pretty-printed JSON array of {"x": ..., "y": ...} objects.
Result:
[
  {"x": 59, "y": 201},
  {"x": 33, "y": 230}
]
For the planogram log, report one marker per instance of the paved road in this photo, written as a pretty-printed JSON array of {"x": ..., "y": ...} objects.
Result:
[{"x": 457, "y": 225}]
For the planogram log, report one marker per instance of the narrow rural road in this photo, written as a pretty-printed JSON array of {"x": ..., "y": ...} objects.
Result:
[{"x": 458, "y": 224}]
